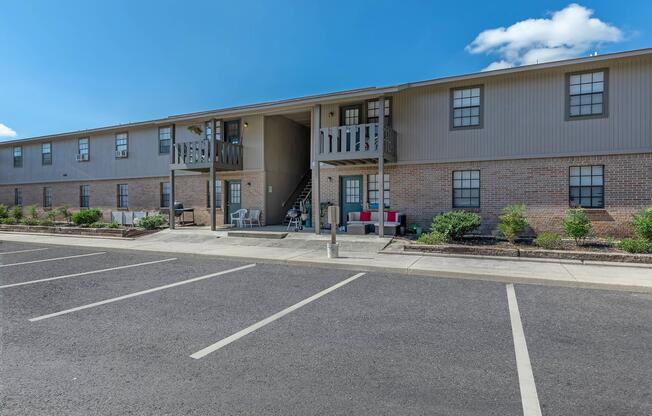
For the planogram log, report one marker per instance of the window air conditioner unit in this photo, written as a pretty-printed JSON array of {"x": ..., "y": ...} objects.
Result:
[{"x": 121, "y": 153}]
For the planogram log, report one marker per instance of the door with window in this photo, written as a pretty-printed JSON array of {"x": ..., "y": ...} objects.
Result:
[
  {"x": 350, "y": 196},
  {"x": 233, "y": 199}
]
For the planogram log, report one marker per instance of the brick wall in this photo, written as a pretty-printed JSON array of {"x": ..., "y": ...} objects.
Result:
[
  {"x": 421, "y": 191},
  {"x": 144, "y": 193}
]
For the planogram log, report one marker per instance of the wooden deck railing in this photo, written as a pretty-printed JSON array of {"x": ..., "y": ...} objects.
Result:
[
  {"x": 197, "y": 154},
  {"x": 356, "y": 142}
]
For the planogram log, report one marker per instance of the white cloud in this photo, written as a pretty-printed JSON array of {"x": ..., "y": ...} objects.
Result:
[
  {"x": 567, "y": 33},
  {"x": 6, "y": 132}
]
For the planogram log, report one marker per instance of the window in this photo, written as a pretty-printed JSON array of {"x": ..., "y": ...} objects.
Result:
[
  {"x": 165, "y": 194},
  {"x": 373, "y": 111},
  {"x": 164, "y": 139},
  {"x": 83, "y": 148},
  {"x": 46, "y": 154},
  {"x": 84, "y": 196},
  {"x": 466, "y": 108},
  {"x": 373, "y": 191},
  {"x": 232, "y": 131},
  {"x": 123, "y": 195},
  {"x": 587, "y": 94},
  {"x": 121, "y": 144},
  {"x": 350, "y": 115},
  {"x": 18, "y": 197},
  {"x": 47, "y": 197},
  {"x": 218, "y": 194},
  {"x": 18, "y": 157},
  {"x": 586, "y": 186},
  {"x": 466, "y": 189}
]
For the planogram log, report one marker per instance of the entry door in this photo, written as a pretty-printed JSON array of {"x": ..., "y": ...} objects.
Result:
[
  {"x": 233, "y": 201},
  {"x": 350, "y": 196}
]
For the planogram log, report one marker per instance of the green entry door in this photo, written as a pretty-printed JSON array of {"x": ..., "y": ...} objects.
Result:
[
  {"x": 232, "y": 199},
  {"x": 350, "y": 196}
]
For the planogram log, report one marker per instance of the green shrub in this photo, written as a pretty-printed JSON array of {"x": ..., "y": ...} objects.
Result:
[
  {"x": 32, "y": 211},
  {"x": 643, "y": 223},
  {"x": 98, "y": 225},
  {"x": 51, "y": 215},
  {"x": 46, "y": 221},
  {"x": 636, "y": 245},
  {"x": 4, "y": 211},
  {"x": 432, "y": 238},
  {"x": 454, "y": 224},
  {"x": 152, "y": 222},
  {"x": 113, "y": 224},
  {"x": 513, "y": 221},
  {"x": 577, "y": 224},
  {"x": 29, "y": 221},
  {"x": 8, "y": 220},
  {"x": 549, "y": 241},
  {"x": 16, "y": 212},
  {"x": 87, "y": 216},
  {"x": 64, "y": 212}
]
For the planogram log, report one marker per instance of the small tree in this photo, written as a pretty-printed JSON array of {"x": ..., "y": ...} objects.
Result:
[
  {"x": 577, "y": 224},
  {"x": 642, "y": 223},
  {"x": 513, "y": 221}
]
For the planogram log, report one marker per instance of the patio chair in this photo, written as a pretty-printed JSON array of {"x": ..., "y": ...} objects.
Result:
[
  {"x": 239, "y": 217},
  {"x": 252, "y": 217}
]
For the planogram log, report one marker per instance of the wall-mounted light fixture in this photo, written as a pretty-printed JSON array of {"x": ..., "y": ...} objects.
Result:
[
  {"x": 246, "y": 124},
  {"x": 330, "y": 179},
  {"x": 331, "y": 114},
  {"x": 248, "y": 183}
]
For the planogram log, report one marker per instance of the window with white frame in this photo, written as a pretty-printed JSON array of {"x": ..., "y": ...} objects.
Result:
[
  {"x": 466, "y": 189},
  {"x": 46, "y": 153},
  {"x": 373, "y": 191},
  {"x": 586, "y": 186},
  {"x": 586, "y": 94},
  {"x": 466, "y": 107},
  {"x": 123, "y": 195},
  {"x": 164, "y": 139},
  {"x": 84, "y": 196}
]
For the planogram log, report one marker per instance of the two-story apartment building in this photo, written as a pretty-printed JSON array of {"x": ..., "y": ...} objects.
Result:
[{"x": 552, "y": 136}]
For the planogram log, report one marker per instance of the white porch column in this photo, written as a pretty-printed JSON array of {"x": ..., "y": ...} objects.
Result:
[
  {"x": 381, "y": 167},
  {"x": 316, "y": 196}
]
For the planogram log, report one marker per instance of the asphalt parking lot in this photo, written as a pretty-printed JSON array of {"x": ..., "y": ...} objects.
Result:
[{"x": 107, "y": 332}]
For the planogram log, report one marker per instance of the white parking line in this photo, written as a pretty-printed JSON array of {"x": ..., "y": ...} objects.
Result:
[
  {"x": 142, "y": 292},
  {"x": 23, "y": 251},
  {"x": 85, "y": 273},
  {"x": 529, "y": 397},
  {"x": 53, "y": 259},
  {"x": 226, "y": 341}
]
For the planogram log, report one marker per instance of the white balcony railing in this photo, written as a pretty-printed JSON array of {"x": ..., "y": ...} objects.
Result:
[{"x": 355, "y": 142}]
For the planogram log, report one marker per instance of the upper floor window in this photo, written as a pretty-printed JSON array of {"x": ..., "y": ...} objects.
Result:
[
  {"x": 47, "y": 197},
  {"x": 208, "y": 129},
  {"x": 165, "y": 194},
  {"x": 373, "y": 191},
  {"x": 466, "y": 108},
  {"x": 18, "y": 197},
  {"x": 18, "y": 156},
  {"x": 83, "y": 149},
  {"x": 232, "y": 131},
  {"x": 164, "y": 139},
  {"x": 466, "y": 189},
  {"x": 121, "y": 145},
  {"x": 123, "y": 195},
  {"x": 350, "y": 115},
  {"x": 84, "y": 196},
  {"x": 46, "y": 154},
  {"x": 586, "y": 186},
  {"x": 587, "y": 94},
  {"x": 373, "y": 111}
]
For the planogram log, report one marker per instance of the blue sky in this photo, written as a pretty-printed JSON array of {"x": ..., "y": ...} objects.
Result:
[{"x": 70, "y": 65}]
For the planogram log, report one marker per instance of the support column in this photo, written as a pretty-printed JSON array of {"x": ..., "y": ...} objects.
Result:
[
  {"x": 211, "y": 192},
  {"x": 316, "y": 196},
  {"x": 381, "y": 167},
  {"x": 172, "y": 160}
]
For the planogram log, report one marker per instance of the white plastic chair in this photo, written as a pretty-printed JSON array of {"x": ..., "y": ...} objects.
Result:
[
  {"x": 239, "y": 217},
  {"x": 253, "y": 217}
]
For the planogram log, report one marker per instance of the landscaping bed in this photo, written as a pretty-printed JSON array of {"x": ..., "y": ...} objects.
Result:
[{"x": 69, "y": 230}]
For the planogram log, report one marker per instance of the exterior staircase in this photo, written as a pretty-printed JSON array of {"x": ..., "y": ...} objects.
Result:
[{"x": 303, "y": 194}]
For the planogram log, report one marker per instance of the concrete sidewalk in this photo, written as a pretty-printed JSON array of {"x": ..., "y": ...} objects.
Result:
[{"x": 365, "y": 253}]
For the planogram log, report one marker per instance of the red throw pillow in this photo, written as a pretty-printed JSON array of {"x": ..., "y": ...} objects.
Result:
[
  {"x": 365, "y": 216},
  {"x": 391, "y": 216}
]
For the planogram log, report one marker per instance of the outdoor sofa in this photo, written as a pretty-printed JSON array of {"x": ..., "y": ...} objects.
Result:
[{"x": 364, "y": 222}]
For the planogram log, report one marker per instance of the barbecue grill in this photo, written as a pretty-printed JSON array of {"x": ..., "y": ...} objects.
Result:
[{"x": 295, "y": 219}]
